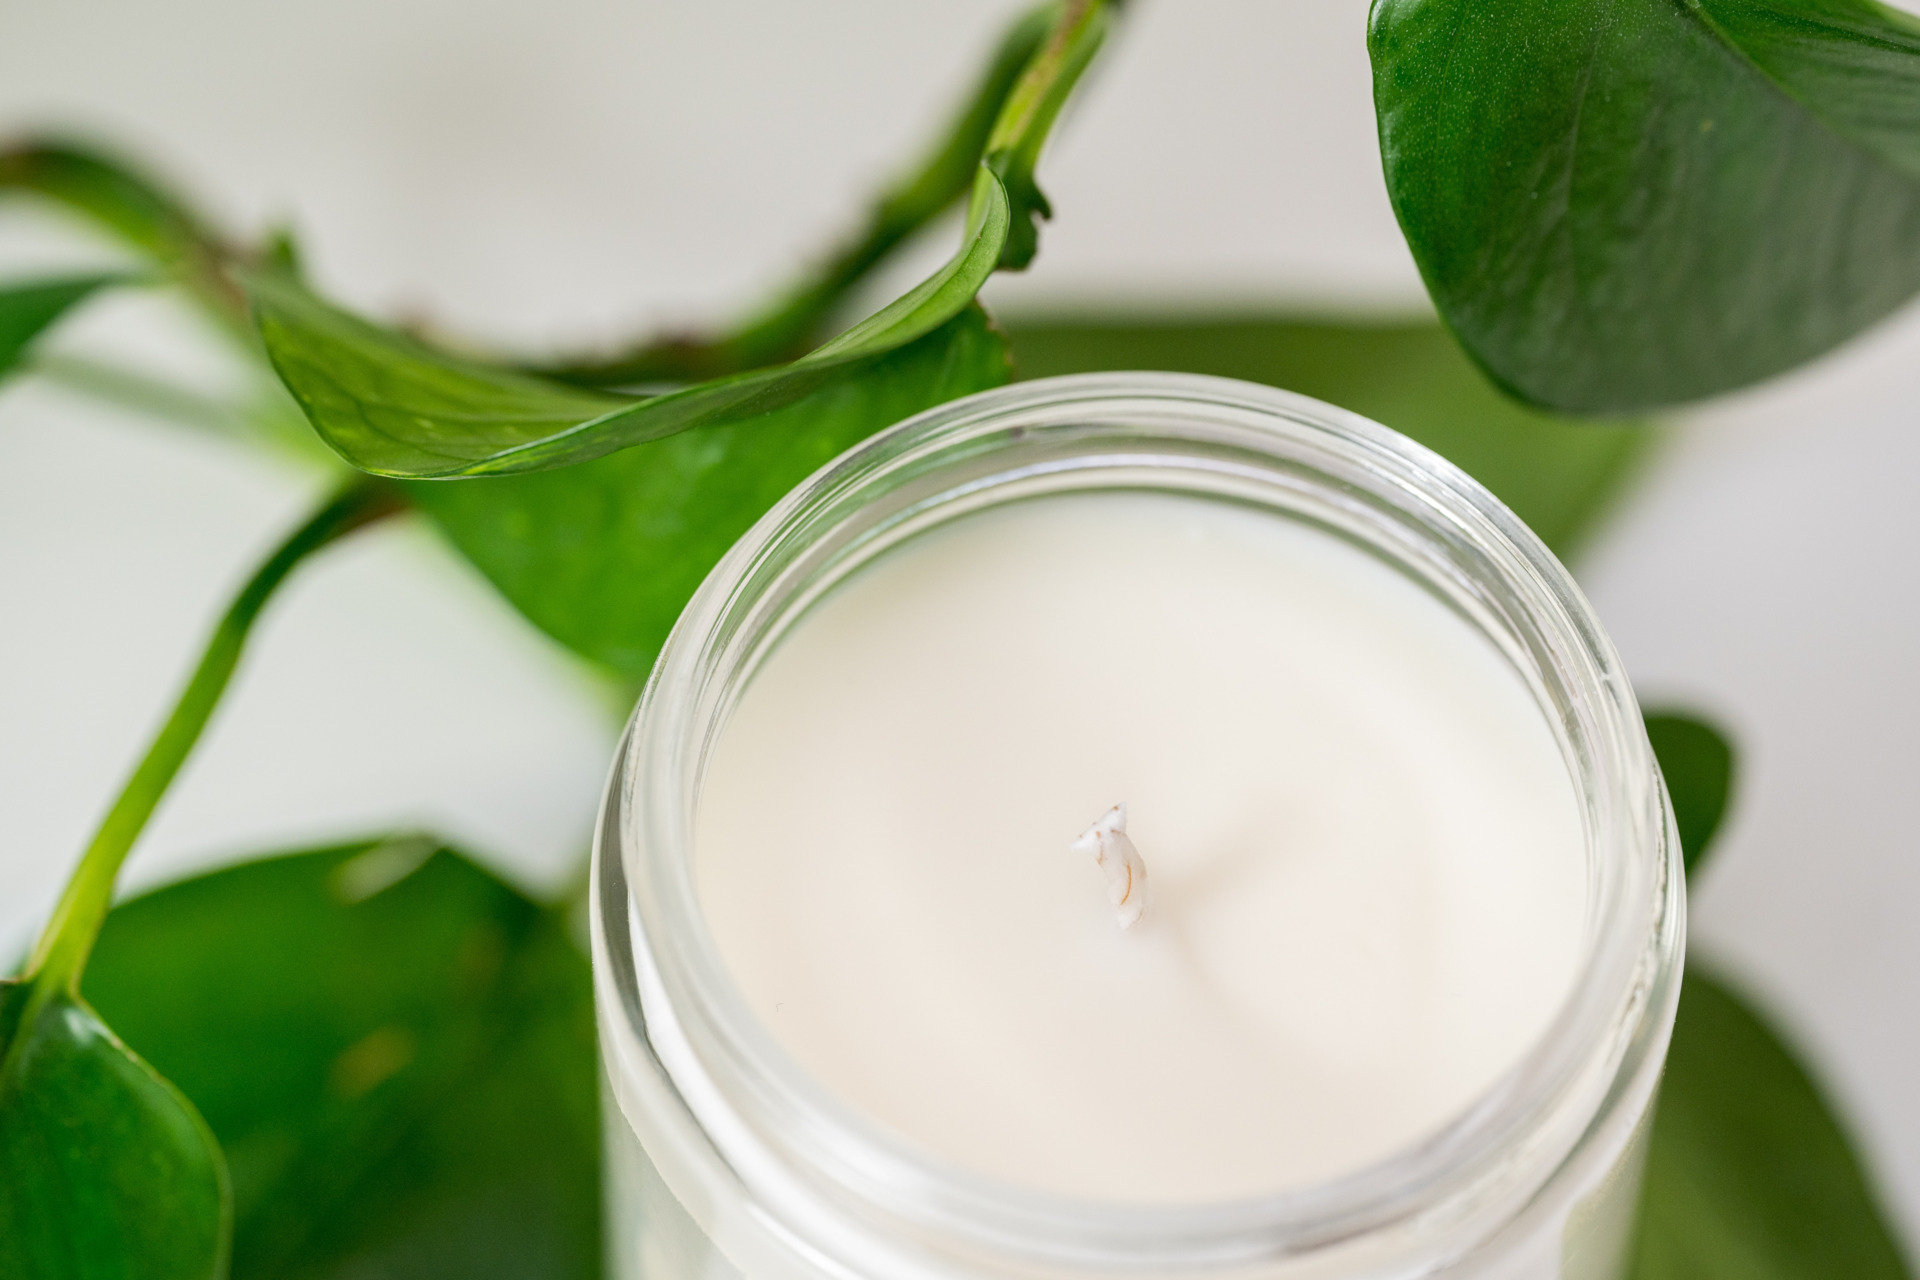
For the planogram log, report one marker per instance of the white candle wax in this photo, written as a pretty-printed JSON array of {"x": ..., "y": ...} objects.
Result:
[{"x": 1366, "y": 858}]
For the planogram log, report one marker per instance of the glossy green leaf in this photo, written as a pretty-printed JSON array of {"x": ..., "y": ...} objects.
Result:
[
  {"x": 28, "y": 310},
  {"x": 1854, "y": 64},
  {"x": 391, "y": 406},
  {"x": 106, "y": 1171},
  {"x": 1697, "y": 762},
  {"x": 1625, "y": 203},
  {"x": 396, "y": 1050},
  {"x": 604, "y": 555},
  {"x": 1749, "y": 1176},
  {"x": 1556, "y": 476}
]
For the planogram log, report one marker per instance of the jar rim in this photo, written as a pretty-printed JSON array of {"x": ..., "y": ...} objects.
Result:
[{"x": 808, "y": 1158}]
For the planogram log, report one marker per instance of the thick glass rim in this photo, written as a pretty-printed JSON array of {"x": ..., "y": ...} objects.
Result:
[{"x": 806, "y": 1158}]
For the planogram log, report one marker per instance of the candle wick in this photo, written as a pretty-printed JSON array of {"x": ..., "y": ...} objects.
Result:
[{"x": 1114, "y": 852}]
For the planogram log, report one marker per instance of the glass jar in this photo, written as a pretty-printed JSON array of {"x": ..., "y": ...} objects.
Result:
[{"x": 724, "y": 1160}]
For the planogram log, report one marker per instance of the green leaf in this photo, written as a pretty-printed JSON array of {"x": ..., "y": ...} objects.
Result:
[
  {"x": 1698, "y": 764},
  {"x": 28, "y": 310},
  {"x": 1853, "y": 64},
  {"x": 604, "y": 555},
  {"x": 1556, "y": 476},
  {"x": 392, "y": 406},
  {"x": 106, "y": 1171},
  {"x": 1013, "y": 149},
  {"x": 1625, "y": 203},
  {"x": 396, "y": 1050},
  {"x": 1749, "y": 1176}
]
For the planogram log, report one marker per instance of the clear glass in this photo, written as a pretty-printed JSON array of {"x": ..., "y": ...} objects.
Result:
[{"x": 725, "y": 1160}]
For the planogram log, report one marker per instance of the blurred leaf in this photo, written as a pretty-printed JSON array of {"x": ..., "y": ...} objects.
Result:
[
  {"x": 793, "y": 323},
  {"x": 604, "y": 555},
  {"x": 108, "y": 190},
  {"x": 391, "y": 406},
  {"x": 1697, "y": 762},
  {"x": 134, "y": 207},
  {"x": 106, "y": 1171},
  {"x": 1555, "y": 475},
  {"x": 395, "y": 1049},
  {"x": 1749, "y": 1177},
  {"x": 1618, "y": 204},
  {"x": 27, "y": 310}
]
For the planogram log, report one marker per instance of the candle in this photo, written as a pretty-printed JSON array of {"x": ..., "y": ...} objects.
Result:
[
  {"x": 1368, "y": 870},
  {"x": 1133, "y": 824}
]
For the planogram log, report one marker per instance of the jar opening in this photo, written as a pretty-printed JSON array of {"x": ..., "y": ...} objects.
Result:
[{"x": 812, "y": 1162}]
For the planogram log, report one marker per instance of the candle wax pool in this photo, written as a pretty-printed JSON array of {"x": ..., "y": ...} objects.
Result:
[{"x": 1366, "y": 861}]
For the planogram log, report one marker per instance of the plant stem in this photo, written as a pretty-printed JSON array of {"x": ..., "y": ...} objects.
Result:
[
  {"x": 271, "y": 419},
  {"x": 139, "y": 392},
  {"x": 138, "y": 210},
  {"x": 791, "y": 325},
  {"x": 67, "y": 940}
]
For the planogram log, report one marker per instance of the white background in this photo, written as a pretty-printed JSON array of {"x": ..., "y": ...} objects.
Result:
[{"x": 570, "y": 171}]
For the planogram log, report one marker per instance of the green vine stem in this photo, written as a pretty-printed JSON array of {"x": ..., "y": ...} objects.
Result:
[
  {"x": 792, "y": 324},
  {"x": 64, "y": 944},
  {"x": 141, "y": 212}
]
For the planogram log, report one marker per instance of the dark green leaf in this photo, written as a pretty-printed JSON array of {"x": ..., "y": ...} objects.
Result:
[
  {"x": 1557, "y": 477},
  {"x": 1852, "y": 63},
  {"x": 1626, "y": 203},
  {"x": 604, "y": 555},
  {"x": 1697, "y": 762},
  {"x": 395, "y": 1049},
  {"x": 27, "y": 310},
  {"x": 106, "y": 1171},
  {"x": 1749, "y": 1177}
]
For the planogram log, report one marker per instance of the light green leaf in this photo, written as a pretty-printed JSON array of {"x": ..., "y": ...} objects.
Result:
[
  {"x": 1697, "y": 762},
  {"x": 392, "y": 407},
  {"x": 374, "y": 393},
  {"x": 106, "y": 1171},
  {"x": 1749, "y": 1176},
  {"x": 1556, "y": 476},
  {"x": 28, "y": 310},
  {"x": 604, "y": 555},
  {"x": 1625, "y": 203},
  {"x": 396, "y": 1050}
]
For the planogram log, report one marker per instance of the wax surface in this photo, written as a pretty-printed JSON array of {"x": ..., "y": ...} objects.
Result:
[{"x": 1365, "y": 855}]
